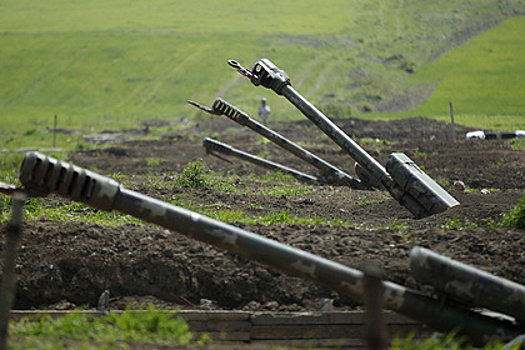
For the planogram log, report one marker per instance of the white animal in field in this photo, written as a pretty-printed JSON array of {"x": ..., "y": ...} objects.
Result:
[{"x": 263, "y": 111}]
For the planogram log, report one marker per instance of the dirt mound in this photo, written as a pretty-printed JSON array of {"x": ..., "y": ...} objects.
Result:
[{"x": 64, "y": 265}]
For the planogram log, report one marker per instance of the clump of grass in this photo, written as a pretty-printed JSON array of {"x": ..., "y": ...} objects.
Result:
[
  {"x": 196, "y": 175},
  {"x": 153, "y": 162},
  {"x": 193, "y": 176},
  {"x": 151, "y": 326},
  {"x": 455, "y": 223},
  {"x": 515, "y": 217}
]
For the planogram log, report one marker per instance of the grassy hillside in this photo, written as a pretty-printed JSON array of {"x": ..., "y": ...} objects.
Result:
[
  {"x": 484, "y": 79},
  {"x": 100, "y": 65}
]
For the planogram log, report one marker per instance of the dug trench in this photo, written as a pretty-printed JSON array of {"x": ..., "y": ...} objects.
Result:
[{"x": 67, "y": 265}]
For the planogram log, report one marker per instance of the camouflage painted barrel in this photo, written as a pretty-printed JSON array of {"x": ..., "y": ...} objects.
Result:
[
  {"x": 41, "y": 174},
  {"x": 467, "y": 284}
]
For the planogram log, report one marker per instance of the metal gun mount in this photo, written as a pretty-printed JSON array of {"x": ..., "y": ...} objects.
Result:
[
  {"x": 405, "y": 181},
  {"x": 41, "y": 174}
]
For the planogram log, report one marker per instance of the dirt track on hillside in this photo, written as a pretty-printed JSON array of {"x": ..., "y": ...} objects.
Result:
[{"x": 64, "y": 265}]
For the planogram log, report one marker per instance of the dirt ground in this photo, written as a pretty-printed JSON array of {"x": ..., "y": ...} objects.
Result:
[{"x": 65, "y": 265}]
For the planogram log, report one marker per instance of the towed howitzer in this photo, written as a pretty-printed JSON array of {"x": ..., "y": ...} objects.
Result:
[
  {"x": 405, "y": 181},
  {"x": 221, "y": 107},
  {"x": 214, "y": 145},
  {"x": 468, "y": 285},
  {"x": 42, "y": 175}
]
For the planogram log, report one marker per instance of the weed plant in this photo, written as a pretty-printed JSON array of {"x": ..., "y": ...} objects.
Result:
[{"x": 193, "y": 176}]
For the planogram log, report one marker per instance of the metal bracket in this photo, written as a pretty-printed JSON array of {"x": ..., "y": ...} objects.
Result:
[{"x": 264, "y": 73}]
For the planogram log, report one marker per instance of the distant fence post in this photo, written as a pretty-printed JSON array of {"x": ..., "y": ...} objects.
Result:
[
  {"x": 55, "y": 133},
  {"x": 8, "y": 288},
  {"x": 452, "y": 122}
]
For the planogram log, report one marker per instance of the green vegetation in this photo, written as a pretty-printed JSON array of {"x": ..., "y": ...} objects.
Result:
[
  {"x": 438, "y": 343},
  {"x": 105, "y": 66},
  {"x": 195, "y": 175},
  {"x": 456, "y": 223},
  {"x": 516, "y": 216},
  {"x": 101, "y": 65},
  {"x": 483, "y": 79},
  {"x": 218, "y": 212},
  {"x": 146, "y": 328},
  {"x": 151, "y": 327},
  {"x": 87, "y": 331},
  {"x": 518, "y": 144},
  {"x": 192, "y": 176}
]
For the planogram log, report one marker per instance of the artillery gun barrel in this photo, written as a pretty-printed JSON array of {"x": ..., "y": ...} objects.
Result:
[
  {"x": 41, "y": 174},
  {"x": 420, "y": 194},
  {"x": 215, "y": 145},
  {"x": 467, "y": 284},
  {"x": 221, "y": 107}
]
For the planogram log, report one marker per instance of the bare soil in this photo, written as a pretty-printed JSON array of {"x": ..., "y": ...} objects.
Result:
[{"x": 64, "y": 265}]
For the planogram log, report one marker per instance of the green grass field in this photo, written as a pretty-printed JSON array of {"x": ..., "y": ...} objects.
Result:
[
  {"x": 483, "y": 79},
  {"x": 104, "y": 65}
]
